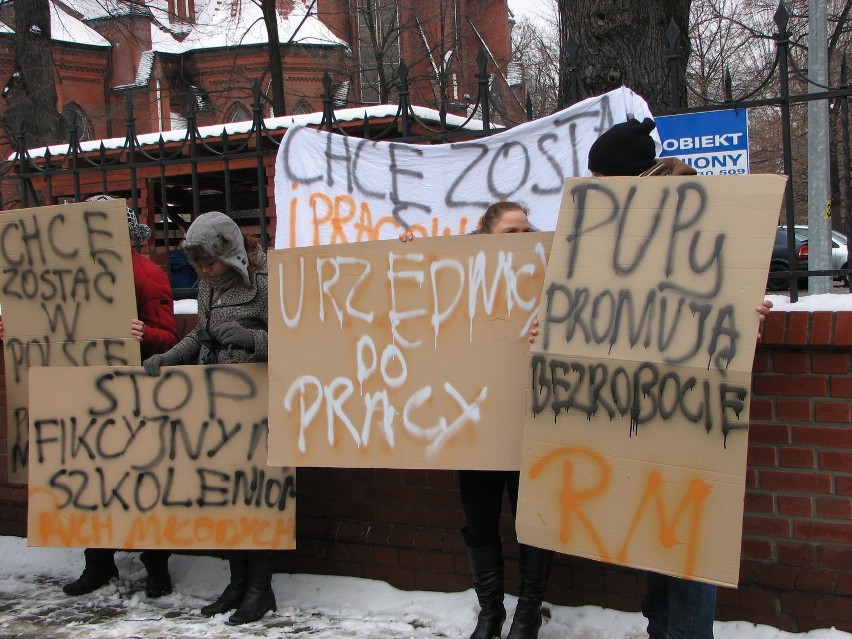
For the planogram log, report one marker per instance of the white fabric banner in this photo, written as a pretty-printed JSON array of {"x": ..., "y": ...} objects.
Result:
[{"x": 332, "y": 189}]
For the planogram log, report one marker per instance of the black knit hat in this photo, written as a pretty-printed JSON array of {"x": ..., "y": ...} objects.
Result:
[{"x": 626, "y": 149}]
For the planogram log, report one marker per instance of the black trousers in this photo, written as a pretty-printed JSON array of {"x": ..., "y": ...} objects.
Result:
[{"x": 482, "y": 500}]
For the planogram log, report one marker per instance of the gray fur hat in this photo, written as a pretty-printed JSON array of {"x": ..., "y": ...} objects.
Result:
[
  {"x": 214, "y": 237},
  {"x": 139, "y": 233}
]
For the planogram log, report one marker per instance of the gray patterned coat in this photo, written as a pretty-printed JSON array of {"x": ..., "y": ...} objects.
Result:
[{"x": 246, "y": 305}]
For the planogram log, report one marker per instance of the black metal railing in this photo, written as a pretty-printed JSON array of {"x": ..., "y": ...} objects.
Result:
[
  {"x": 194, "y": 170},
  {"x": 780, "y": 71}
]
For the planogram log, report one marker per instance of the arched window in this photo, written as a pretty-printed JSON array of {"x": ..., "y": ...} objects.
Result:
[
  {"x": 303, "y": 106},
  {"x": 238, "y": 113},
  {"x": 73, "y": 116}
]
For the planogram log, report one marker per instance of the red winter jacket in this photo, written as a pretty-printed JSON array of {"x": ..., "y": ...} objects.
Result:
[{"x": 154, "y": 306}]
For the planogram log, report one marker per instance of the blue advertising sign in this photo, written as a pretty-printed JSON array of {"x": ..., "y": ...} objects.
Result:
[{"x": 713, "y": 143}]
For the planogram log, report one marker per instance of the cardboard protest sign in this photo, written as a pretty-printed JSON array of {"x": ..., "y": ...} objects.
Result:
[
  {"x": 392, "y": 355},
  {"x": 120, "y": 459},
  {"x": 636, "y": 430},
  {"x": 67, "y": 296},
  {"x": 636, "y": 433},
  {"x": 335, "y": 189}
]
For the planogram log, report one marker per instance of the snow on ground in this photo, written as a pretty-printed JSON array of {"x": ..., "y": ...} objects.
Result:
[{"x": 32, "y": 605}]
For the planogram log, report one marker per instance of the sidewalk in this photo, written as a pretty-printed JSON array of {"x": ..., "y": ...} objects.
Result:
[{"x": 35, "y": 607}]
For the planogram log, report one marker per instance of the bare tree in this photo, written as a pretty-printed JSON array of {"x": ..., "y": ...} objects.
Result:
[
  {"x": 623, "y": 42},
  {"x": 425, "y": 36},
  {"x": 534, "y": 46},
  {"x": 739, "y": 39},
  {"x": 379, "y": 48},
  {"x": 723, "y": 44},
  {"x": 30, "y": 93},
  {"x": 276, "y": 68}
]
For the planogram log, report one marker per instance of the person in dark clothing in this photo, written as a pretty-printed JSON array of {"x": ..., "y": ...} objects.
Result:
[
  {"x": 156, "y": 331},
  {"x": 232, "y": 328},
  {"x": 482, "y": 501},
  {"x": 675, "y": 608}
]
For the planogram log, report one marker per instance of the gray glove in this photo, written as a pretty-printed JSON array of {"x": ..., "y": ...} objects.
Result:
[
  {"x": 232, "y": 334},
  {"x": 153, "y": 363}
]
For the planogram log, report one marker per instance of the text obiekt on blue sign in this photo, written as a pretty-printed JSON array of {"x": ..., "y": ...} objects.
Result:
[{"x": 713, "y": 143}]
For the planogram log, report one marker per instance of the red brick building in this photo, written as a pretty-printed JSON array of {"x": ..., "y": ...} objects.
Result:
[{"x": 166, "y": 54}]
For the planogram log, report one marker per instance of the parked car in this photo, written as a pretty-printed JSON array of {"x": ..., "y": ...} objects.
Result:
[
  {"x": 839, "y": 250},
  {"x": 779, "y": 262}
]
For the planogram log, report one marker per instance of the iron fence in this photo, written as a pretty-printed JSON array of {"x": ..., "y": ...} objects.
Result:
[{"x": 186, "y": 173}]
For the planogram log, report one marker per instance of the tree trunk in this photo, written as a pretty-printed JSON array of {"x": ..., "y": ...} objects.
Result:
[
  {"x": 623, "y": 42},
  {"x": 32, "y": 92},
  {"x": 276, "y": 68}
]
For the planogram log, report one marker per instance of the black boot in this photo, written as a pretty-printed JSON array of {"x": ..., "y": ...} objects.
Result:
[
  {"x": 535, "y": 569},
  {"x": 158, "y": 583},
  {"x": 486, "y": 563},
  {"x": 234, "y": 591},
  {"x": 100, "y": 568},
  {"x": 258, "y": 598}
]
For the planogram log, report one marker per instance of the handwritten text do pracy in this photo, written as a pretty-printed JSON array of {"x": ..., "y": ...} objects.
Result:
[{"x": 394, "y": 313}]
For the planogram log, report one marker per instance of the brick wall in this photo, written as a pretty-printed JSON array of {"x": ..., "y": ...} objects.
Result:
[{"x": 796, "y": 569}]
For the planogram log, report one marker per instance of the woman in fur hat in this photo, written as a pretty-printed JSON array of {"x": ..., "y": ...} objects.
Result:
[{"x": 231, "y": 329}]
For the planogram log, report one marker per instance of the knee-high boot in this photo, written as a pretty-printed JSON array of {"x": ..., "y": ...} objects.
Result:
[
  {"x": 234, "y": 591},
  {"x": 158, "y": 583},
  {"x": 258, "y": 598},
  {"x": 486, "y": 563},
  {"x": 535, "y": 569}
]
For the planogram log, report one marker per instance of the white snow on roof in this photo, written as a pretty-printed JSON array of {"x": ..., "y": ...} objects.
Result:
[
  {"x": 95, "y": 9},
  {"x": 146, "y": 63},
  {"x": 341, "y": 95},
  {"x": 143, "y": 72},
  {"x": 427, "y": 115},
  {"x": 515, "y": 74},
  {"x": 218, "y": 23},
  {"x": 230, "y": 23},
  {"x": 66, "y": 28}
]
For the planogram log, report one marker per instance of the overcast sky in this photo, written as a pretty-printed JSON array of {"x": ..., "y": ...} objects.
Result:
[{"x": 532, "y": 9}]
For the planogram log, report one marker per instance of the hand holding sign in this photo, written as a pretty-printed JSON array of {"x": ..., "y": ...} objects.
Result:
[{"x": 152, "y": 364}]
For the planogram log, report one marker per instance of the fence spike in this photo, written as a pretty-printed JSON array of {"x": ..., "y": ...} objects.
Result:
[
  {"x": 781, "y": 17},
  {"x": 672, "y": 35}
]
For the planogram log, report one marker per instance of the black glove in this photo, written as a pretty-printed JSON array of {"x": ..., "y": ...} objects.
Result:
[
  {"x": 153, "y": 363},
  {"x": 232, "y": 334}
]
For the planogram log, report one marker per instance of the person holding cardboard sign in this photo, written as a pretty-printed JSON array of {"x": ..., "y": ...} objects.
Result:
[
  {"x": 482, "y": 499},
  {"x": 156, "y": 331},
  {"x": 232, "y": 328},
  {"x": 676, "y": 608}
]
